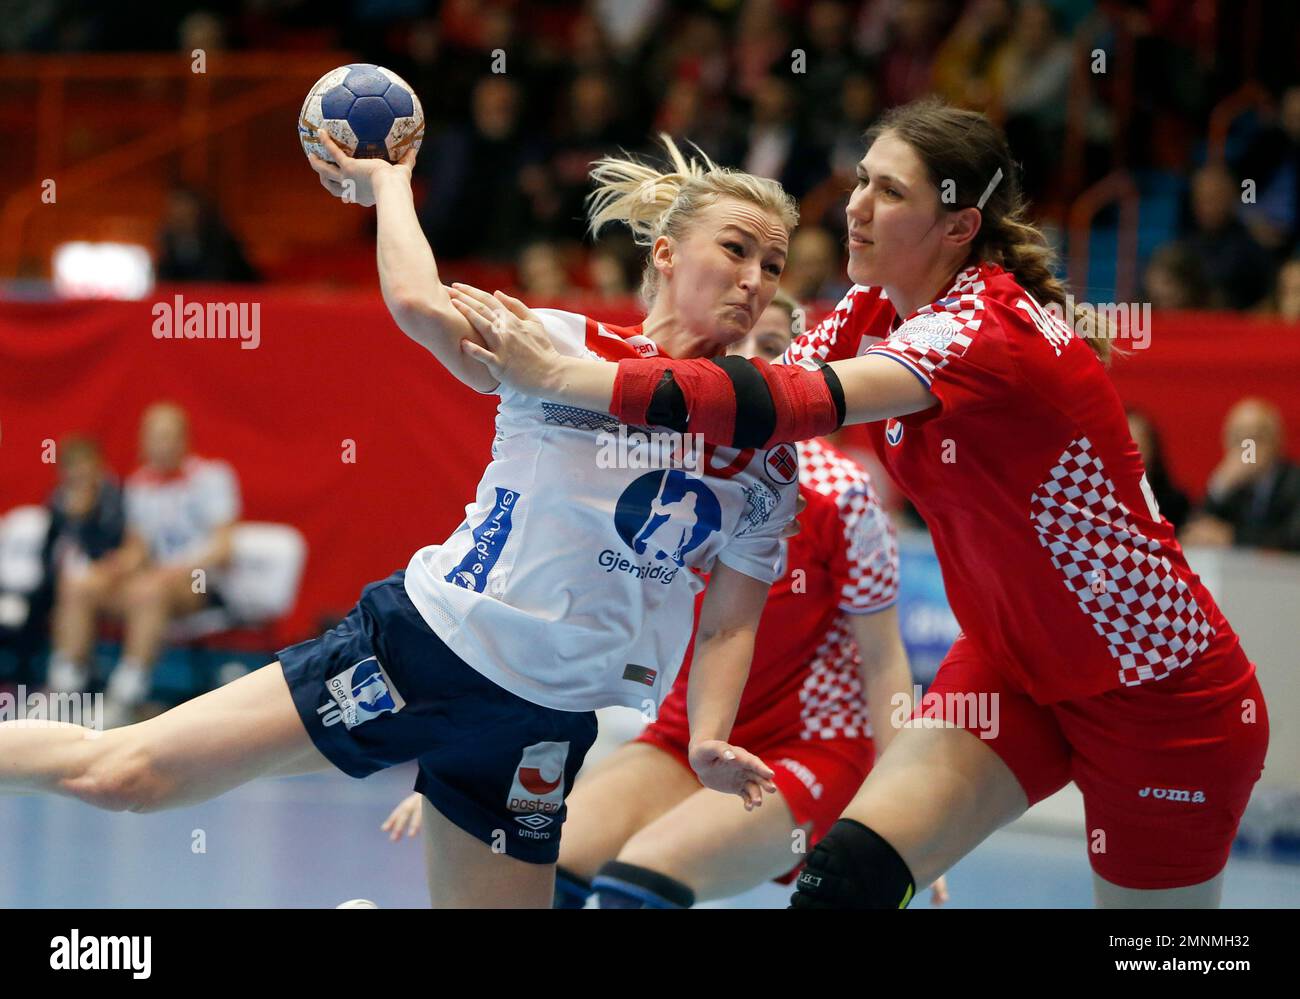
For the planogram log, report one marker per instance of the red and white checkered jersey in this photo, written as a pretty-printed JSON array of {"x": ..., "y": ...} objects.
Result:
[
  {"x": 1055, "y": 558},
  {"x": 804, "y": 682},
  {"x": 176, "y": 515}
]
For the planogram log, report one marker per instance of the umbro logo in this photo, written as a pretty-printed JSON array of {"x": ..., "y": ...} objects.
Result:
[{"x": 534, "y": 821}]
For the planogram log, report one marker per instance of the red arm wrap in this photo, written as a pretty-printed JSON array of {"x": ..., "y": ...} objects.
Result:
[
  {"x": 726, "y": 401},
  {"x": 710, "y": 398},
  {"x": 804, "y": 407}
]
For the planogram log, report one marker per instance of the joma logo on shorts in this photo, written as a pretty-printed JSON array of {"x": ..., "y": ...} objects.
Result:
[{"x": 1173, "y": 794}]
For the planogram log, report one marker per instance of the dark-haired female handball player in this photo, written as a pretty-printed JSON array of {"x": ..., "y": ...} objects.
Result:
[{"x": 1099, "y": 653}]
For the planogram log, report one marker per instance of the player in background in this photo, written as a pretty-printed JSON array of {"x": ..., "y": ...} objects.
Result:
[
  {"x": 1089, "y": 651},
  {"x": 829, "y": 669},
  {"x": 486, "y": 659}
]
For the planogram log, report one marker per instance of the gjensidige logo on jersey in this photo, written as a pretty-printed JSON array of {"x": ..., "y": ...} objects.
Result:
[
  {"x": 489, "y": 537},
  {"x": 360, "y": 693},
  {"x": 538, "y": 788},
  {"x": 662, "y": 517}
]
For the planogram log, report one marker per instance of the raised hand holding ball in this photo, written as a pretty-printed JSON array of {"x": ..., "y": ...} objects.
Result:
[{"x": 370, "y": 111}]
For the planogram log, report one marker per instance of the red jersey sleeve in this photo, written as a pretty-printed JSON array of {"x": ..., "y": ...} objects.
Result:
[
  {"x": 858, "y": 537},
  {"x": 956, "y": 350},
  {"x": 845, "y": 331}
]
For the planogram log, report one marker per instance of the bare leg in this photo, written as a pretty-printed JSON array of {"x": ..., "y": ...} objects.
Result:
[
  {"x": 153, "y": 599},
  {"x": 711, "y": 843},
  {"x": 464, "y": 872},
  {"x": 934, "y": 795},
  {"x": 191, "y": 753},
  {"x": 627, "y": 791},
  {"x": 79, "y": 599},
  {"x": 1206, "y": 895}
]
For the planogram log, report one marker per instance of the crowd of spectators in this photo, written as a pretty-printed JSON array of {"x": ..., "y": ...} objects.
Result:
[
  {"x": 142, "y": 554},
  {"x": 521, "y": 97}
]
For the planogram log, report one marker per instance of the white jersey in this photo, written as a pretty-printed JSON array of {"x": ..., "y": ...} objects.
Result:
[
  {"x": 572, "y": 581},
  {"x": 176, "y": 515}
]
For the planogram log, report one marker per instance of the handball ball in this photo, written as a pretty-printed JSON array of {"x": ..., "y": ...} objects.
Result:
[{"x": 369, "y": 111}]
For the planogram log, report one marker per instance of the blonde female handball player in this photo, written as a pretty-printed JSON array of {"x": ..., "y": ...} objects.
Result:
[{"x": 569, "y": 586}]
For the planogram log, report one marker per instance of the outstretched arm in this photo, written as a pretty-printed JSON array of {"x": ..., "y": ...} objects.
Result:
[
  {"x": 408, "y": 275},
  {"x": 730, "y": 400}
]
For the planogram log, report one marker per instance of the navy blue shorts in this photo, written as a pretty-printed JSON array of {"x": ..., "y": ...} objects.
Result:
[{"x": 382, "y": 688}]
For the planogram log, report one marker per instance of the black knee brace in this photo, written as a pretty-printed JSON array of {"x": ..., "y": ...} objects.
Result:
[
  {"x": 571, "y": 892},
  {"x": 853, "y": 868},
  {"x": 626, "y": 886}
]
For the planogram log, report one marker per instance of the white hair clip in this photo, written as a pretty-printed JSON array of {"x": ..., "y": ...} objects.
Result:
[{"x": 997, "y": 178}]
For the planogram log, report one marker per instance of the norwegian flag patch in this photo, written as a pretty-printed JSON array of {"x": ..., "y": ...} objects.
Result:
[{"x": 782, "y": 464}]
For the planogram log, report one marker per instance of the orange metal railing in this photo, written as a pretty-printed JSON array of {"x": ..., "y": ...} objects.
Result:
[
  {"x": 1250, "y": 96},
  {"x": 236, "y": 88},
  {"x": 1079, "y": 100},
  {"x": 1116, "y": 188}
]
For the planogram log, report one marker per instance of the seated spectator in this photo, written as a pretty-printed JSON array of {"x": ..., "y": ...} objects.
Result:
[
  {"x": 1239, "y": 271},
  {"x": 195, "y": 244},
  {"x": 966, "y": 65},
  {"x": 1253, "y": 496},
  {"x": 484, "y": 182},
  {"x": 1030, "y": 84},
  {"x": 87, "y": 524},
  {"x": 815, "y": 271},
  {"x": 1272, "y": 160},
  {"x": 610, "y": 272},
  {"x": 1174, "y": 279},
  {"x": 1286, "y": 295},
  {"x": 858, "y": 107},
  {"x": 916, "y": 30},
  {"x": 830, "y": 57},
  {"x": 541, "y": 272},
  {"x": 776, "y": 143},
  {"x": 592, "y": 126},
  {"x": 179, "y": 513},
  {"x": 1171, "y": 500}
]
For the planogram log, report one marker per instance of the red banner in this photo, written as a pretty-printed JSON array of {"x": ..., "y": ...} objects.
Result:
[{"x": 330, "y": 370}]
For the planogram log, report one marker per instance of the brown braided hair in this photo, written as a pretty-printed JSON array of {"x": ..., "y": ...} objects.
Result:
[{"x": 964, "y": 147}]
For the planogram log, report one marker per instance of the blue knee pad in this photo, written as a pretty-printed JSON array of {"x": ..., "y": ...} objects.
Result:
[
  {"x": 626, "y": 886},
  {"x": 571, "y": 892},
  {"x": 853, "y": 867}
]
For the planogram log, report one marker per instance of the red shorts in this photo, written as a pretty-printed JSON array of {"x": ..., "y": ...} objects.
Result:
[
  {"x": 1166, "y": 768},
  {"x": 817, "y": 778}
]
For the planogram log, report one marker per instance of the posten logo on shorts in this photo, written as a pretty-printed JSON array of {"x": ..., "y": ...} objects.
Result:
[
  {"x": 538, "y": 787},
  {"x": 361, "y": 693}
]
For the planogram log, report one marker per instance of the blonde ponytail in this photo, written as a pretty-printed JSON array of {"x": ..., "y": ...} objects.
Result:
[{"x": 652, "y": 202}]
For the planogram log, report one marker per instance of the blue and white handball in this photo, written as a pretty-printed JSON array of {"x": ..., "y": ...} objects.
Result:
[{"x": 370, "y": 111}]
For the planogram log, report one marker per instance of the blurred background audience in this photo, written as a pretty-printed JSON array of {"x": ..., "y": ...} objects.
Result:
[
  {"x": 1253, "y": 496},
  {"x": 521, "y": 98},
  {"x": 167, "y": 562}
]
